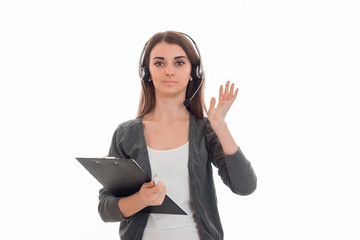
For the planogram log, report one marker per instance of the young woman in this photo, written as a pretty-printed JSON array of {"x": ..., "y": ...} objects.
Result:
[{"x": 171, "y": 138}]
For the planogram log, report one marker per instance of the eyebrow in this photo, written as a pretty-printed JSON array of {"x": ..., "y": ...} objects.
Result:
[{"x": 177, "y": 57}]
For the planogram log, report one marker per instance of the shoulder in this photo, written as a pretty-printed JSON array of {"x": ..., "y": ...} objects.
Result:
[
  {"x": 202, "y": 125},
  {"x": 128, "y": 127},
  {"x": 202, "y": 131},
  {"x": 129, "y": 124}
]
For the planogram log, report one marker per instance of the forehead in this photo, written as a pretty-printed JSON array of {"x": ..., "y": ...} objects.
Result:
[{"x": 167, "y": 50}]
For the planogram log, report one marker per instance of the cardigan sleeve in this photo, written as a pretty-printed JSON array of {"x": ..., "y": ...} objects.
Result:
[
  {"x": 108, "y": 204},
  {"x": 235, "y": 170}
]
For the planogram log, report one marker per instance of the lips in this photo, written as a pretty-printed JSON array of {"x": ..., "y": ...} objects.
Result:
[{"x": 169, "y": 81}]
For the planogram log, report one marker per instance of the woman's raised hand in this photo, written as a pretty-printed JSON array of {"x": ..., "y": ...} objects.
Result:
[{"x": 226, "y": 99}]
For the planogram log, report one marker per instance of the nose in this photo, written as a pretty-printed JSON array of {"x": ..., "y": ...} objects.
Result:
[{"x": 169, "y": 70}]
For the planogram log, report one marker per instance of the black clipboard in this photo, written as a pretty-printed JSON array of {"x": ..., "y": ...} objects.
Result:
[{"x": 124, "y": 177}]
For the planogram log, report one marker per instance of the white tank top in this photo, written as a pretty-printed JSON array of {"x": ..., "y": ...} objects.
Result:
[{"x": 171, "y": 166}]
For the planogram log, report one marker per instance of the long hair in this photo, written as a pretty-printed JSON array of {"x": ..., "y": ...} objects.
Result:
[{"x": 147, "y": 97}]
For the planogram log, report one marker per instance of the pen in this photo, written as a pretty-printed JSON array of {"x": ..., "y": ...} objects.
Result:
[{"x": 155, "y": 179}]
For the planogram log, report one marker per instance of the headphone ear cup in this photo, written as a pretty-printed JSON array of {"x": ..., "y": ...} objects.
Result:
[
  {"x": 145, "y": 74},
  {"x": 142, "y": 73},
  {"x": 199, "y": 72}
]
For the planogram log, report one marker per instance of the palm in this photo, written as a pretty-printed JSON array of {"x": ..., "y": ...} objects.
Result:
[{"x": 226, "y": 99}]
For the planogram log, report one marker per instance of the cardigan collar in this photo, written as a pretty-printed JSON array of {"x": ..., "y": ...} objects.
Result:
[{"x": 134, "y": 144}]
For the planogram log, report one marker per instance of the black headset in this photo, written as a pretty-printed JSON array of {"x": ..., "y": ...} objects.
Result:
[{"x": 144, "y": 72}]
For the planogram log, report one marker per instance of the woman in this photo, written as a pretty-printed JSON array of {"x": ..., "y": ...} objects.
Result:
[{"x": 179, "y": 144}]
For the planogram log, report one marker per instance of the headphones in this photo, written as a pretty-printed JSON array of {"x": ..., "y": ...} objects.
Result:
[{"x": 144, "y": 72}]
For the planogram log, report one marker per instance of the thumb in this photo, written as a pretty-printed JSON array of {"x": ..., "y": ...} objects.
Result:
[
  {"x": 212, "y": 103},
  {"x": 148, "y": 184}
]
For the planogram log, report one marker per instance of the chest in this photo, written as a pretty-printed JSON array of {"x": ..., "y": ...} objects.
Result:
[{"x": 161, "y": 136}]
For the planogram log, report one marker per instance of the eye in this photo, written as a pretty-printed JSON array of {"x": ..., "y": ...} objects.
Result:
[
  {"x": 180, "y": 63},
  {"x": 158, "y": 63}
]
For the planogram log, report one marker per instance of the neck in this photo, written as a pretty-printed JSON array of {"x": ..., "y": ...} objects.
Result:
[{"x": 169, "y": 109}]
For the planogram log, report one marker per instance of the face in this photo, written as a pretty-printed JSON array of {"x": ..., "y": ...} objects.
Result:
[{"x": 169, "y": 68}]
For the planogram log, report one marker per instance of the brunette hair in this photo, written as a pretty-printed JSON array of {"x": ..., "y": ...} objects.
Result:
[{"x": 147, "y": 97}]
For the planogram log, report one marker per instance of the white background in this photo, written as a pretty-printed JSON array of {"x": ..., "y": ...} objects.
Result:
[{"x": 68, "y": 74}]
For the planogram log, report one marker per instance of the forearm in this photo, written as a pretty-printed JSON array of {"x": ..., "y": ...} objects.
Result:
[
  {"x": 108, "y": 207},
  {"x": 227, "y": 141},
  {"x": 235, "y": 170},
  {"x": 130, "y": 205},
  {"x": 115, "y": 209}
]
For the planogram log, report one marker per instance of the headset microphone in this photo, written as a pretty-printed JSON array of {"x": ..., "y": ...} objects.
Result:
[{"x": 187, "y": 102}]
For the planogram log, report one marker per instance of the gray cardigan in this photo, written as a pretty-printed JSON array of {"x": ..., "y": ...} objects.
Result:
[{"x": 204, "y": 149}]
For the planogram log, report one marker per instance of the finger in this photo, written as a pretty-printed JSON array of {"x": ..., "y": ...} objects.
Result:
[
  {"x": 231, "y": 90},
  {"x": 161, "y": 199},
  {"x": 221, "y": 94},
  {"x": 236, "y": 92},
  {"x": 163, "y": 190},
  {"x": 212, "y": 103},
  {"x": 160, "y": 185},
  {"x": 226, "y": 90},
  {"x": 159, "y": 190},
  {"x": 148, "y": 184}
]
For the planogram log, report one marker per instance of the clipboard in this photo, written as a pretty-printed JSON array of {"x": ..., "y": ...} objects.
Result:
[{"x": 124, "y": 177}]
